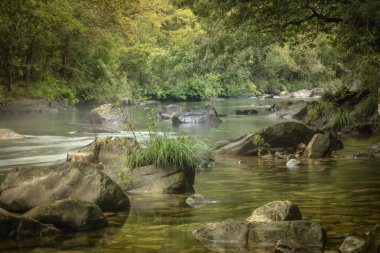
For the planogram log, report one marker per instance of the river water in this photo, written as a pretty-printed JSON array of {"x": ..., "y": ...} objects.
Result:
[{"x": 340, "y": 193}]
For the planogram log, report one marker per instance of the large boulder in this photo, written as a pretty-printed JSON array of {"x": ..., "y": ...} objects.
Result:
[
  {"x": 372, "y": 244},
  {"x": 105, "y": 118},
  {"x": 304, "y": 93},
  {"x": 26, "y": 188},
  {"x": 30, "y": 105},
  {"x": 197, "y": 115},
  {"x": 233, "y": 235},
  {"x": 352, "y": 244},
  {"x": 7, "y": 134},
  {"x": 322, "y": 145},
  {"x": 150, "y": 179},
  {"x": 169, "y": 111},
  {"x": 276, "y": 211},
  {"x": 15, "y": 226},
  {"x": 69, "y": 215},
  {"x": 281, "y": 137},
  {"x": 290, "y": 109}
]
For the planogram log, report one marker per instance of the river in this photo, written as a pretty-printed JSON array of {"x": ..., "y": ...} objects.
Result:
[{"x": 340, "y": 193}]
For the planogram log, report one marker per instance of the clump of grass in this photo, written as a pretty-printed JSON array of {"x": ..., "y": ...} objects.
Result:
[
  {"x": 169, "y": 153},
  {"x": 319, "y": 109},
  {"x": 341, "y": 119},
  {"x": 367, "y": 108}
]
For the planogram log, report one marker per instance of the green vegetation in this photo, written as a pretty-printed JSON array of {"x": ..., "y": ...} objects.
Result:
[
  {"x": 182, "y": 152},
  {"x": 98, "y": 50},
  {"x": 261, "y": 144},
  {"x": 340, "y": 119},
  {"x": 319, "y": 109}
]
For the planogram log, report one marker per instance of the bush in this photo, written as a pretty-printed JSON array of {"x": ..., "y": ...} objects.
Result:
[
  {"x": 318, "y": 109},
  {"x": 168, "y": 153}
]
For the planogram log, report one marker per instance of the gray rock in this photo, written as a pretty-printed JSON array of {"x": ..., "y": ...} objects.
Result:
[
  {"x": 281, "y": 137},
  {"x": 7, "y": 134},
  {"x": 169, "y": 111},
  {"x": 304, "y": 93},
  {"x": 276, "y": 211},
  {"x": 30, "y": 106},
  {"x": 197, "y": 115},
  {"x": 246, "y": 112},
  {"x": 352, "y": 244},
  {"x": 15, "y": 226},
  {"x": 232, "y": 236},
  {"x": 105, "y": 118},
  {"x": 358, "y": 130},
  {"x": 26, "y": 188},
  {"x": 150, "y": 179},
  {"x": 198, "y": 200},
  {"x": 69, "y": 215},
  {"x": 290, "y": 109},
  {"x": 293, "y": 164},
  {"x": 321, "y": 145},
  {"x": 372, "y": 244}
]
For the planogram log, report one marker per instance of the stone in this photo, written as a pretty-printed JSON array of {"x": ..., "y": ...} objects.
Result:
[
  {"x": 169, "y": 111},
  {"x": 150, "y": 179},
  {"x": 378, "y": 106},
  {"x": 358, "y": 130},
  {"x": 276, "y": 211},
  {"x": 246, "y": 112},
  {"x": 31, "y": 106},
  {"x": 105, "y": 118},
  {"x": 322, "y": 145},
  {"x": 281, "y": 137},
  {"x": 29, "y": 187},
  {"x": 198, "y": 200},
  {"x": 317, "y": 92},
  {"x": 69, "y": 215},
  {"x": 197, "y": 115},
  {"x": 80, "y": 157},
  {"x": 372, "y": 244},
  {"x": 352, "y": 244},
  {"x": 15, "y": 226},
  {"x": 290, "y": 109},
  {"x": 304, "y": 93},
  {"x": 7, "y": 134},
  {"x": 293, "y": 164},
  {"x": 233, "y": 235}
]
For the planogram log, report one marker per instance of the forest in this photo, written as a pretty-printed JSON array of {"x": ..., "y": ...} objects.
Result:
[{"x": 99, "y": 50}]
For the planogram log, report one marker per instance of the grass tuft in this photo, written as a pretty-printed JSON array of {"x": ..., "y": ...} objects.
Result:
[
  {"x": 367, "y": 108},
  {"x": 341, "y": 119},
  {"x": 168, "y": 153}
]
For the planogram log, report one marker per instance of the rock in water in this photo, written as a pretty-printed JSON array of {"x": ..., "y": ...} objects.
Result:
[
  {"x": 69, "y": 215},
  {"x": 321, "y": 145},
  {"x": 352, "y": 244},
  {"x": 197, "y": 115},
  {"x": 281, "y": 137},
  {"x": 150, "y": 179},
  {"x": 246, "y": 112},
  {"x": 7, "y": 134},
  {"x": 293, "y": 164},
  {"x": 198, "y": 200},
  {"x": 15, "y": 226},
  {"x": 372, "y": 244},
  {"x": 290, "y": 109},
  {"x": 276, "y": 211},
  {"x": 26, "y": 188},
  {"x": 169, "y": 111}
]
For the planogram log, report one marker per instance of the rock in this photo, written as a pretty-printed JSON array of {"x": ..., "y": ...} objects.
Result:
[
  {"x": 293, "y": 164},
  {"x": 285, "y": 94},
  {"x": 81, "y": 157},
  {"x": 304, "y": 93},
  {"x": 281, "y": 137},
  {"x": 169, "y": 111},
  {"x": 352, "y": 244},
  {"x": 362, "y": 155},
  {"x": 69, "y": 215},
  {"x": 372, "y": 244},
  {"x": 264, "y": 96},
  {"x": 232, "y": 236},
  {"x": 317, "y": 92},
  {"x": 7, "y": 134},
  {"x": 105, "y": 118},
  {"x": 15, "y": 226},
  {"x": 197, "y": 115},
  {"x": 198, "y": 200},
  {"x": 246, "y": 112},
  {"x": 126, "y": 101},
  {"x": 29, "y": 105},
  {"x": 322, "y": 145},
  {"x": 149, "y": 103},
  {"x": 378, "y": 106},
  {"x": 290, "y": 109},
  {"x": 150, "y": 179},
  {"x": 358, "y": 130},
  {"x": 276, "y": 211},
  {"x": 26, "y": 188}
]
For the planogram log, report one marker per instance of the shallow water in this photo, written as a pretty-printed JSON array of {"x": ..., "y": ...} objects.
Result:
[{"x": 340, "y": 193}]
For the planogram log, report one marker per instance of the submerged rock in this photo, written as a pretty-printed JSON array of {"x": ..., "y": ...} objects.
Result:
[
  {"x": 7, "y": 134},
  {"x": 359, "y": 130},
  {"x": 198, "y": 200},
  {"x": 197, "y": 115},
  {"x": 246, "y": 112},
  {"x": 105, "y": 118},
  {"x": 26, "y": 188},
  {"x": 322, "y": 145},
  {"x": 352, "y": 244},
  {"x": 150, "y": 179},
  {"x": 281, "y": 137},
  {"x": 69, "y": 215},
  {"x": 15, "y": 226},
  {"x": 276, "y": 211},
  {"x": 233, "y": 235},
  {"x": 372, "y": 244},
  {"x": 293, "y": 163}
]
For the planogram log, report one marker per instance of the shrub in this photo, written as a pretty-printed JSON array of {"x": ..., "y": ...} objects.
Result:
[
  {"x": 318, "y": 109},
  {"x": 258, "y": 140},
  {"x": 367, "y": 107},
  {"x": 341, "y": 119},
  {"x": 168, "y": 153}
]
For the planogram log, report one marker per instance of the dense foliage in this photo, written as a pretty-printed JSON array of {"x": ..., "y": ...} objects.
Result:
[{"x": 101, "y": 50}]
